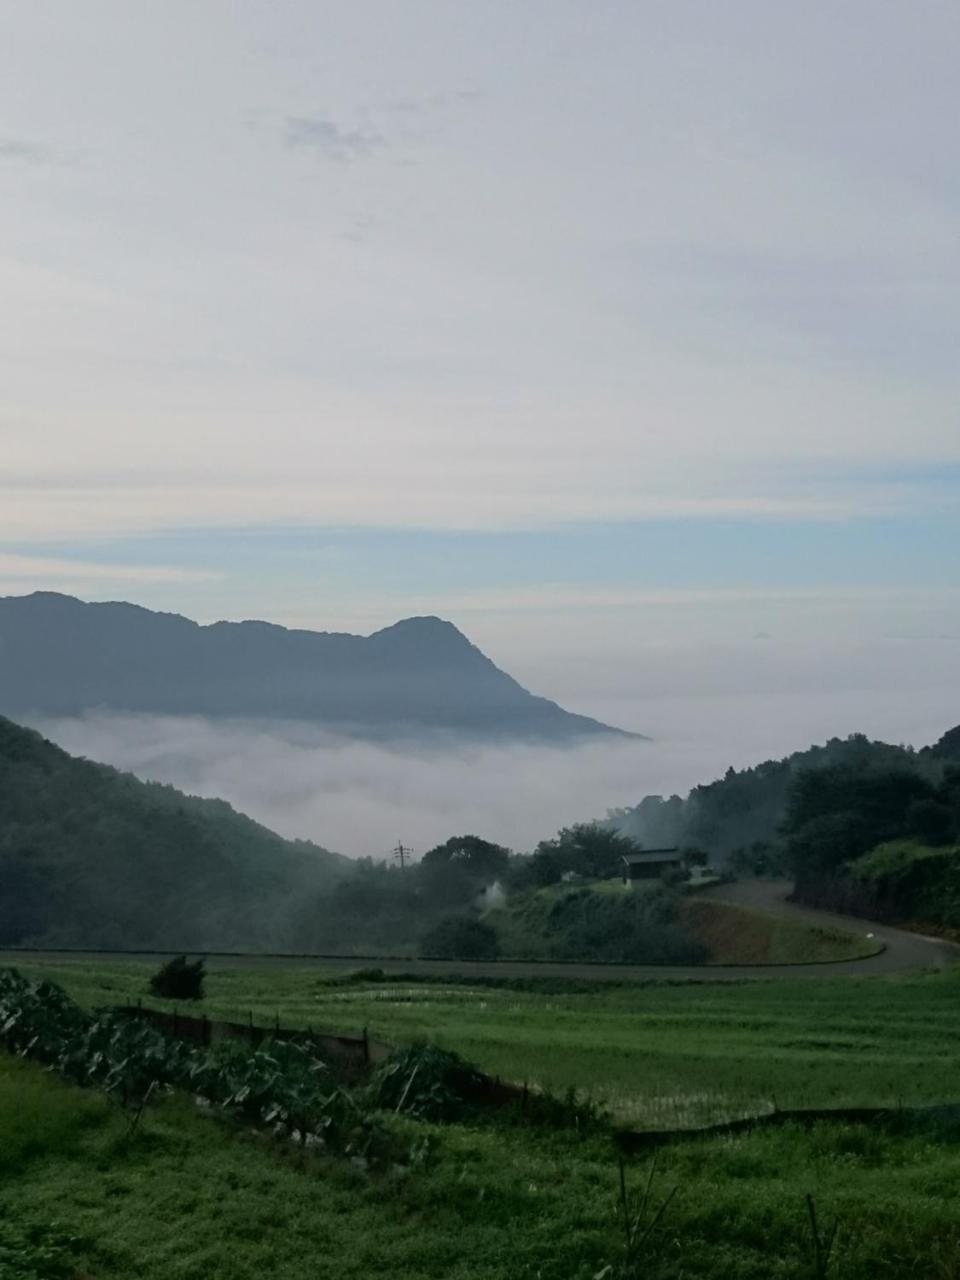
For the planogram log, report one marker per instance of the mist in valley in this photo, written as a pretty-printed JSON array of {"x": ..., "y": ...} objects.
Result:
[{"x": 704, "y": 713}]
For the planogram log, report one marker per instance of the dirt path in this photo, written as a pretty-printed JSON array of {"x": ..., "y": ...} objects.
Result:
[{"x": 902, "y": 952}]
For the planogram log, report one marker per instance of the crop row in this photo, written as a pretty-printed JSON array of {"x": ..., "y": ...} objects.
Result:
[{"x": 283, "y": 1085}]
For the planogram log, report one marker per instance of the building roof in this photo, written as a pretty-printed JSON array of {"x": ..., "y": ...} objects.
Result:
[{"x": 652, "y": 855}]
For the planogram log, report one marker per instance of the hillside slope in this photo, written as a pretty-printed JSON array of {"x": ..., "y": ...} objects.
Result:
[
  {"x": 744, "y": 810},
  {"x": 90, "y": 857},
  {"x": 61, "y": 656}
]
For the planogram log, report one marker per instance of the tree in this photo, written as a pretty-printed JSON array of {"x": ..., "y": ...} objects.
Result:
[
  {"x": 461, "y": 938},
  {"x": 836, "y": 814},
  {"x": 178, "y": 979},
  {"x": 694, "y": 857},
  {"x": 26, "y": 897},
  {"x": 587, "y": 849},
  {"x": 480, "y": 859},
  {"x": 453, "y": 873},
  {"x": 931, "y": 821},
  {"x": 948, "y": 748}
]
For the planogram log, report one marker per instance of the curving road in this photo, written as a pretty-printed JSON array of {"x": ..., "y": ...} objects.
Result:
[{"x": 902, "y": 952}]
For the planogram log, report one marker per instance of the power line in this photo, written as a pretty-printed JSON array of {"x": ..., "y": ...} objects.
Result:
[{"x": 402, "y": 854}]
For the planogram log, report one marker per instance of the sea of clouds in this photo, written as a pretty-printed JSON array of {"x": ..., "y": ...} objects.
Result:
[{"x": 361, "y": 797}]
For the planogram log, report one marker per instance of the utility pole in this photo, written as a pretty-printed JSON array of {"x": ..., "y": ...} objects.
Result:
[{"x": 402, "y": 854}]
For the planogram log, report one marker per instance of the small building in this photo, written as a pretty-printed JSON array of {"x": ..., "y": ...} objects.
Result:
[{"x": 649, "y": 864}]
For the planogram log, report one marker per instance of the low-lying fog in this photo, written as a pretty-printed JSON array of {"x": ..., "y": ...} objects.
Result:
[{"x": 361, "y": 797}]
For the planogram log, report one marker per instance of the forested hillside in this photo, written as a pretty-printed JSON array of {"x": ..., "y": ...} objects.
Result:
[
  {"x": 739, "y": 816},
  {"x": 91, "y": 857},
  {"x": 863, "y": 827},
  {"x": 882, "y": 843}
]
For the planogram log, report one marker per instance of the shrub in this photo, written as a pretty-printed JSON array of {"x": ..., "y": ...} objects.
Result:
[
  {"x": 429, "y": 1083},
  {"x": 461, "y": 938},
  {"x": 178, "y": 979}
]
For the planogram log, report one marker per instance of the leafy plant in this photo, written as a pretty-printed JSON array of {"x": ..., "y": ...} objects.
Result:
[
  {"x": 284, "y": 1084},
  {"x": 427, "y": 1082}
]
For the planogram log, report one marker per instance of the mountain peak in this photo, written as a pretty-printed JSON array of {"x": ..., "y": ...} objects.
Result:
[
  {"x": 421, "y": 673},
  {"x": 426, "y": 630}
]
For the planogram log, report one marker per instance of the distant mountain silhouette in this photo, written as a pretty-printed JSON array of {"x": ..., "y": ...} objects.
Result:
[{"x": 61, "y": 656}]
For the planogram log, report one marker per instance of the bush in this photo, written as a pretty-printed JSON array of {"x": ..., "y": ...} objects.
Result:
[
  {"x": 429, "y": 1083},
  {"x": 178, "y": 979},
  {"x": 636, "y": 927},
  {"x": 461, "y": 938}
]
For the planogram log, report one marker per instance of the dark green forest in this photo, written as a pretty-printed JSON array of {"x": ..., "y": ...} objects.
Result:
[
  {"x": 91, "y": 857},
  {"x": 882, "y": 842},
  {"x": 739, "y": 817},
  {"x": 862, "y": 826}
]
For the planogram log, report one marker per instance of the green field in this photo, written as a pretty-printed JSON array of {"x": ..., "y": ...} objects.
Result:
[
  {"x": 658, "y": 1055},
  {"x": 188, "y": 1196}
]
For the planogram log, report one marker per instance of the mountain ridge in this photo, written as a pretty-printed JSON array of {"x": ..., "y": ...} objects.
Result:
[{"x": 63, "y": 656}]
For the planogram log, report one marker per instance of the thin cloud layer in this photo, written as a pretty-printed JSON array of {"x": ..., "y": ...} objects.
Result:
[
  {"x": 637, "y": 269},
  {"x": 330, "y": 139},
  {"x": 23, "y": 151}
]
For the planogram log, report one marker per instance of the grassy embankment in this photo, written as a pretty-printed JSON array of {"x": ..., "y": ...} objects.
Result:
[
  {"x": 923, "y": 882},
  {"x": 613, "y": 923},
  {"x": 733, "y": 934},
  {"x": 658, "y": 1055}
]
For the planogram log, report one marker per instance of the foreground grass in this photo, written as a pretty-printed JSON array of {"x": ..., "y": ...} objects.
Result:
[
  {"x": 657, "y": 1055},
  {"x": 190, "y": 1198}
]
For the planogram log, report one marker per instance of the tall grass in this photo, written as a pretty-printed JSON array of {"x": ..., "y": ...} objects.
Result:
[{"x": 41, "y": 1118}]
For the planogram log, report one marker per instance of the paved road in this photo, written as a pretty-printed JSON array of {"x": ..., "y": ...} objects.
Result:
[{"x": 902, "y": 952}]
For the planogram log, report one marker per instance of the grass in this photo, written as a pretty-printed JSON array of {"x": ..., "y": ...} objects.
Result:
[
  {"x": 40, "y": 1117},
  {"x": 742, "y": 935},
  {"x": 191, "y": 1198},
  {"x": 658, "y": 1055}
]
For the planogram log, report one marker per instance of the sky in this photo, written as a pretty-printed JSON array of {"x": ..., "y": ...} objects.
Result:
[{"x": 622, "y": 334}]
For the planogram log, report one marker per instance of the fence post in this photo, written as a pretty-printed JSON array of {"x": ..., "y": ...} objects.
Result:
[{"x": 366, "y": 1046}]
